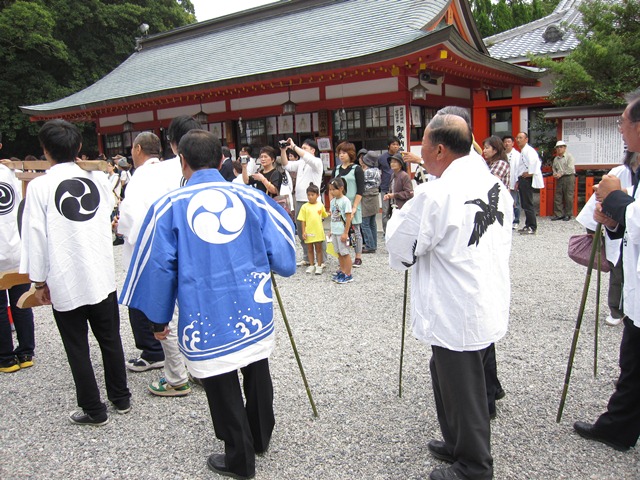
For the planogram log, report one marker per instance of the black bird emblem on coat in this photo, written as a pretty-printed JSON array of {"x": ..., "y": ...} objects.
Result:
[
  {"x": 486, "y": 216},
  {"x": 415, "y": 244}
]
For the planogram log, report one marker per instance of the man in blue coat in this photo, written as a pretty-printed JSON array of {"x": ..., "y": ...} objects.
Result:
[{"x": 212, "y": 246}]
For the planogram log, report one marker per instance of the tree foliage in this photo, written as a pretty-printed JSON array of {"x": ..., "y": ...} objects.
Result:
[
  {"x": 606, "y": 64},
  {"x": 52, "y": 48},
  {"x": 492, "y": 18}
]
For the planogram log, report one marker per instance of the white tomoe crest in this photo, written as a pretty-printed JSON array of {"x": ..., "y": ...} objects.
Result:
[{"x": 216, "y": 216}]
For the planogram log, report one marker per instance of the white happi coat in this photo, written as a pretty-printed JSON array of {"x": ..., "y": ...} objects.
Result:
[
  {"x": 66, "y": 236},
  {"x": 631, "y": 260},
  {"x": 149, "y": 182},
  {"x": 10, "y": 197},
  {"x": 460, "y": 289}
]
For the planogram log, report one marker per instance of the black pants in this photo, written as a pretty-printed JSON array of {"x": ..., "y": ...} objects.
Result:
[
  {"x": 245, "y": 430},
  {"x": 621, "y": 422},
  {"x": 614, "y": 296},
  {"x": 491, "y": 377},
  {"x": 526, "y": 201},
  {"x": 143, "y": 336},
  {"x": 104, "y": 320},
  {"x": 461, "y": 403},
  {"x": 22, "y": 320}
]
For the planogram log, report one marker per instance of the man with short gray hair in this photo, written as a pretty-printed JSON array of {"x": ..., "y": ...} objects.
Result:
[
  {"x": 457, "y": 233},
  {"x": 618, "y": 210},
  {"x": 151, "y": 180}
]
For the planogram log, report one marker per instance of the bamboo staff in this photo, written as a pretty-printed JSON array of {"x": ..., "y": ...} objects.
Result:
[
  {"x": 585, "y": 290},
  {"x": 404, "y": 322},
  {"x": 293, "y": 344}
]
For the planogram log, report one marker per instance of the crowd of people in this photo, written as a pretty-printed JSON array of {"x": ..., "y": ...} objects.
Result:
[{"x": 202, "y": 234}]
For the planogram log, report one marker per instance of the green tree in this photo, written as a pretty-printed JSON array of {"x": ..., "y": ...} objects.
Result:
[
  {"x": 52, "y": 48},
  {"x": 482, "y": 15},
  {"x": 606, "y": 63},
  {"x": 502, "y": 16},
  {"x": 492, "y": 18}
]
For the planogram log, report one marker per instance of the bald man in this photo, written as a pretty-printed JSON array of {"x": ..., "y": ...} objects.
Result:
[{"x": 457, "y": 233}]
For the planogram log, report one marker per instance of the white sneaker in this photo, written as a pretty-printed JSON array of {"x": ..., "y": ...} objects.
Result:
[
  {"x": 319, "y": 269},
  {"x": 311, "y": 269},
  {"x": 302, "y": 263},
  {"x": 612, "y": 321}
]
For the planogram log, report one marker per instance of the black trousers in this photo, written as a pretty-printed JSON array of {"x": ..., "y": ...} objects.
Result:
[
  {"x": 621, "y": 422},
  {"x": 525, "y": 186},
  {"x": 143, "y": 336},
  {"x": 244, "y": 429},
  {"x": 22, "y": 320},
  {"x": 491, "y": 377},
  {"x": 104, "y": 320},
  {"x": 461, "y": 403}
]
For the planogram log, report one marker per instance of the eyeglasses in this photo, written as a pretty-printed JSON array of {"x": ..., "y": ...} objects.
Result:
[{"x": 621, "y": 120}]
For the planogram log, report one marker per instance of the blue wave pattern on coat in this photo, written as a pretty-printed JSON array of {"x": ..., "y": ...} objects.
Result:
[{"x": 211, "y": 245}]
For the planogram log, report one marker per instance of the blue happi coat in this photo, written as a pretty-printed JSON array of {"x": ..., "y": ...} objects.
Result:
[{"x": 212, "y": 245}]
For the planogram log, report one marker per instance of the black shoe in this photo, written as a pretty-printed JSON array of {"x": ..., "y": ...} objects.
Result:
[
  {"x": 118, "y": 241},
  {"x": 439, "y": 450},
  {"x": 557, "y": 217},
  {"x": 500, "y": 394},
  {"x": 81, "y": 418},
  {"x": 588, "y": 431},
  {"x": 444, "y": 474},
  {"x": 217, "y": 463},
  {"x": 566, "y": 218},
  {"x": 123, "y": 407},
  {"x": 25, "y": 361}
]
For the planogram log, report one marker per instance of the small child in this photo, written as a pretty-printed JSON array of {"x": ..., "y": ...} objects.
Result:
[
  {"x": 310, "y": 216},
  {"x": 340, "y": 223}
]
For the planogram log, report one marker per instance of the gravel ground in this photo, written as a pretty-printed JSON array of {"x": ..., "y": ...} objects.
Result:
[{"x": 349, "y": 341}]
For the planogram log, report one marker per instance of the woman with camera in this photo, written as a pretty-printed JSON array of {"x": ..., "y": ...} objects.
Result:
[{"x": 267, "y": 179}]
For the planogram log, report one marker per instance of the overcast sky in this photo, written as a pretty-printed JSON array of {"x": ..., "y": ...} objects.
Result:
[{"x": 206, "y": 9}]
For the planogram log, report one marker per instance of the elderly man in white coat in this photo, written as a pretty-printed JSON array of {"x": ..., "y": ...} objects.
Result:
[
  {"x": 457, "y": 232},
  {"x": 149, "y": 183},
  {"x": 619, "y": 426}
]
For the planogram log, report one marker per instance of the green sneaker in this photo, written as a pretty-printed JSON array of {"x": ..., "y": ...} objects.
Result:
[{"x": 163, "y": 389}]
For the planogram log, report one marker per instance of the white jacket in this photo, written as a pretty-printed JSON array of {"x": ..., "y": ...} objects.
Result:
[{"x": 460, "y": 290}]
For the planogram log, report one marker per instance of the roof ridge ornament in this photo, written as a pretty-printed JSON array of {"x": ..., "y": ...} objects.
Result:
[{"x": 553, "y": 33}]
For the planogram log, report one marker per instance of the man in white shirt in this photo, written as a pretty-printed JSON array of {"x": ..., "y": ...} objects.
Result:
[
  {"x": 514, "y": 161},
  {"x": 67, "y": 252},
  {"x": 528, "y": 175},
  {"x": 308, "y": 170},
  {"x": 457, "y": 232},
  {"x": 619, "y": 211},
  {"x": 151, "y": 180}
]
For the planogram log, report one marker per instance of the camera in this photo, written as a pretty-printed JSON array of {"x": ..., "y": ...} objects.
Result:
[
  {"x": 244, "y": 159},
  {"x": 283, "y": 143}
]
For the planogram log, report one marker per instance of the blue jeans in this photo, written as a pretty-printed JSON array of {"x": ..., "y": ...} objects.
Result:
[
  {"x": 23, "y": 321},
  {"x": 370, "y": 232}
]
